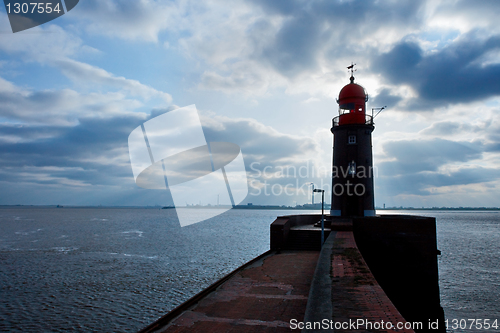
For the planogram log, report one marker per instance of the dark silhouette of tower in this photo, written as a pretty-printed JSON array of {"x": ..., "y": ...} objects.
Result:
[{"x": 352, "y": 167}]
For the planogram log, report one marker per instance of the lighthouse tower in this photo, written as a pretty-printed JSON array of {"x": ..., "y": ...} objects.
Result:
[{"x": 352, "y": 167}]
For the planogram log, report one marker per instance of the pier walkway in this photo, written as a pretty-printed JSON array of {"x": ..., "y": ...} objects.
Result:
[
  {"x": 357, "y": 300},
  {"x": 260, "y": 298},
  {"x": 292, "y": 290}
]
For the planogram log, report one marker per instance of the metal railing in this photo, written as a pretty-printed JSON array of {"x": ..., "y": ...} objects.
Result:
[{"x": 336, "y": 120}]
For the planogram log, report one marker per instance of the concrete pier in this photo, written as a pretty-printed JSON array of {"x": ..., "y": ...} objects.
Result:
[
  {"x": 371, "y": 271},
  {"x": 261, "y": 297},
  {"x": 356, "y": 302},
  {"x": 394, "y": 256}
]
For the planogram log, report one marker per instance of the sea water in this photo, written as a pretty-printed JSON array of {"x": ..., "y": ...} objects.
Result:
[{"x": 119, "y": 269}]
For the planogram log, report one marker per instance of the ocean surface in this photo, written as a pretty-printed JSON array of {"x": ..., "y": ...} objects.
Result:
[{"x": 119, "y": 269}]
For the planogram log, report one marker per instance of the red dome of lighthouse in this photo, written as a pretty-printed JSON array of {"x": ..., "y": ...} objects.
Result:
[{"x": 352, "y": 91}]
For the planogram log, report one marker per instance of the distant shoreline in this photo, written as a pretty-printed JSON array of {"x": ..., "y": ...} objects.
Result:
[{"x": 262, "y": 207}]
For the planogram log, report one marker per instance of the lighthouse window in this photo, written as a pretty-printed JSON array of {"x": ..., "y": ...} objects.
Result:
[{"x": 351, "y": 139}]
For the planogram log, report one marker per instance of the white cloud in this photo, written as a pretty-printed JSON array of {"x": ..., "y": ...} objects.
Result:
[
  {"x": 60, "y": 107},
  {"x": 42, "y": 44},
  {"x": 51, "y": 45},
  {"x": 311, "y": 100},
  {"x": 140, "y": 20},
  {"x": 78, "y": 72},
  {"x": 249, "y": 79}
]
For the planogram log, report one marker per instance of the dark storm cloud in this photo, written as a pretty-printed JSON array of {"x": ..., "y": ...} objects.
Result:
[
  {"x": 22, "y": 105},
  {"x": 418, "y": 165},
  {"x": 385, "y": 98},
  {"x": 489, "y": 128},
  {"x": 493, "y": 137},
  {"x": 273, "y": 160},
  {"x": 313, "y": 27},
  {"x": 453, "y": 74},
  {"x": 492, "y": 147},
  {"x": 358, "y": 14},
  {"x": 294, "y": 47},
  {"x": 260, "y": 143},
  {"x": 421, "y": 183},
  {"x": 282, "y": 7},
  {"x": 20, "y": 132},
  {"x": 425, "y": 155},
  {"x": 444, "y": 128},
  {"x": 89, "y": 138},
  {"x": 93, "y": 152}
]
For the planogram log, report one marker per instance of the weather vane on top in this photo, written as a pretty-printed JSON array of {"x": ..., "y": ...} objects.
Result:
[{"x": 351, "y": 68}]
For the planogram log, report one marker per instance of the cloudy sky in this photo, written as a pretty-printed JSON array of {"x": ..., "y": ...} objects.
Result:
[{"x": 264, "y": 75}]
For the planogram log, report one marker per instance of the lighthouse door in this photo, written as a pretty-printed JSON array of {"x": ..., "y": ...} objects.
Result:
[{"x": 352, "y": 206}]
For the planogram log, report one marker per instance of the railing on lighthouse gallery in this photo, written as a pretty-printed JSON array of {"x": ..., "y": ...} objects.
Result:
[{"x": 337, "y": 121}]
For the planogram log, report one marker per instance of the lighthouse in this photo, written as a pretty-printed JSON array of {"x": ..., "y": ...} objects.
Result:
[{"x": 352, "y": 166}]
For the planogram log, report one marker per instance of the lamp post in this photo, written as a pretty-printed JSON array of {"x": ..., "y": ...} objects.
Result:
[{"x": 322, "y": 214}]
